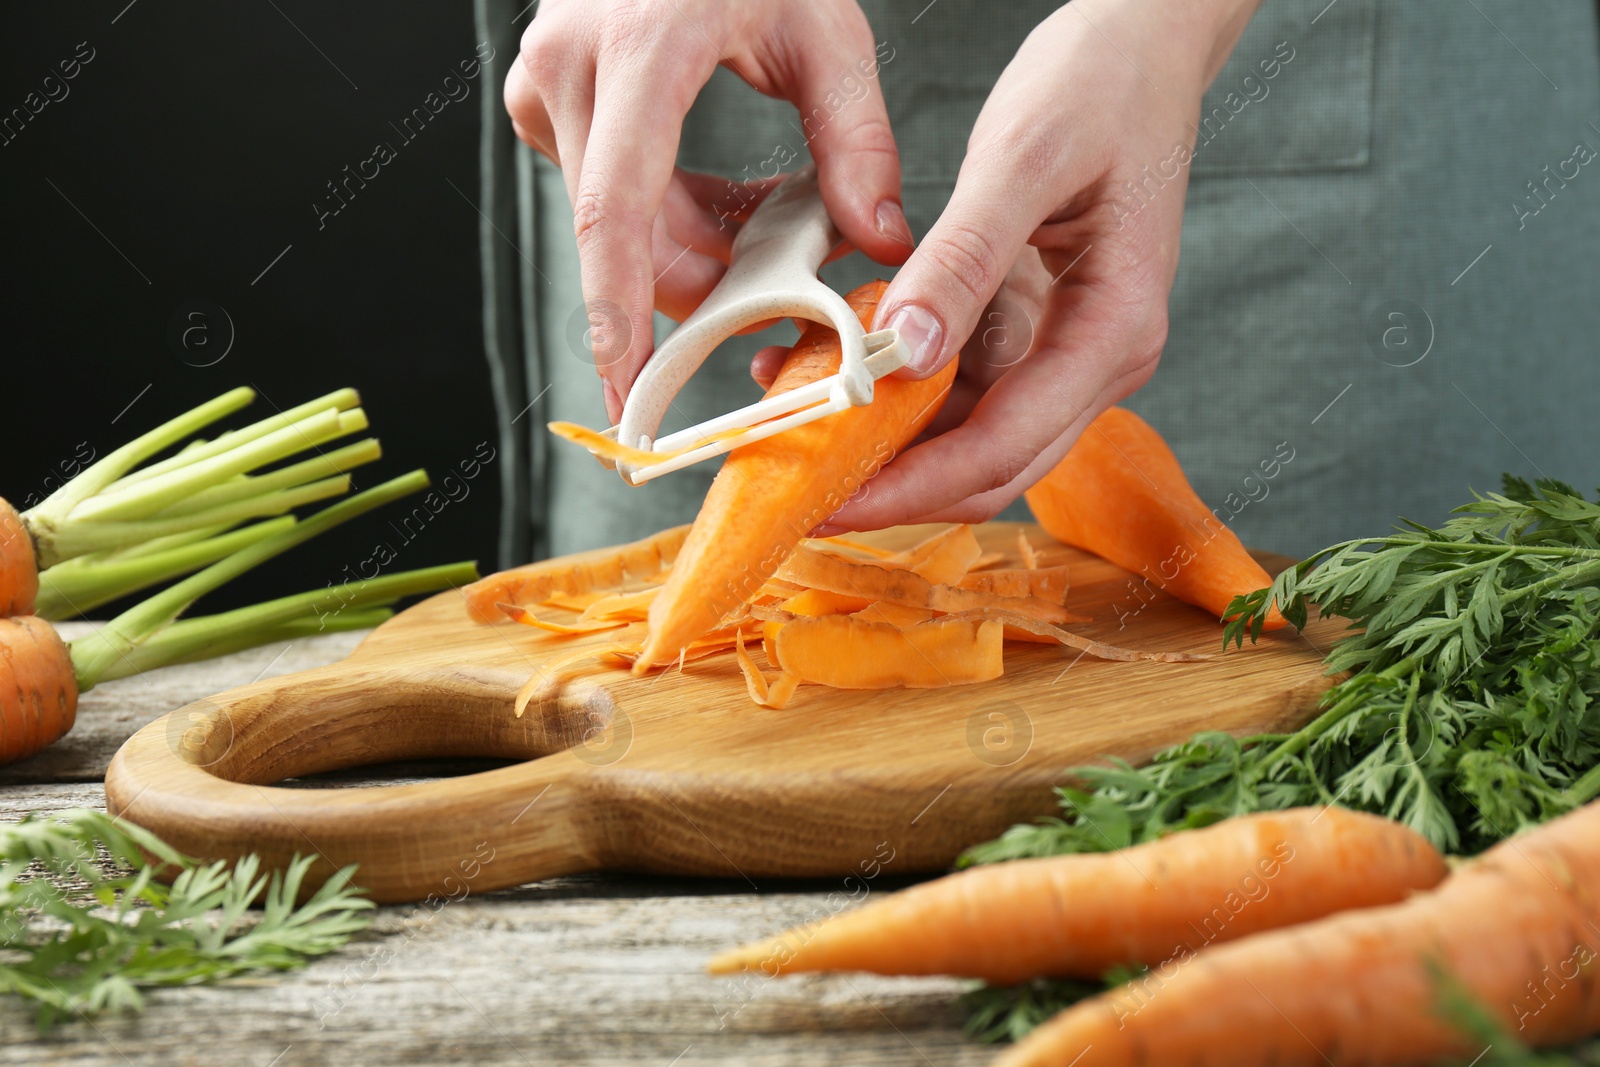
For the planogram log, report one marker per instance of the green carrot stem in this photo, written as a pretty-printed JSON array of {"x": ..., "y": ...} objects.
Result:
[
  {"x": 155, "y": 544},
  {"x": 145, "y": 498},
  {"x": 173, "y": 646},
  {"x": 341, "y": 399},
  {"x": 78, "y": 538},
  {"x": 327, "y": 465},
  {"x": 301, "y": 615},
  {"x": 96, "y": 477},
  {"x": 83, "y": 584},
  {"x": 1584, "y": 789},
  {"x": 93, "y": 656}
]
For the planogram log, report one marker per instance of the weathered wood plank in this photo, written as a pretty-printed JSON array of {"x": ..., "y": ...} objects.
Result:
[
  {"x": 595, "y": 969},
  {"x": 602, "y": 969}
]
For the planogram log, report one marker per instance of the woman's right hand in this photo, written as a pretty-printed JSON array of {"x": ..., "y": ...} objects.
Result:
[{"x": 602, "y": 89}]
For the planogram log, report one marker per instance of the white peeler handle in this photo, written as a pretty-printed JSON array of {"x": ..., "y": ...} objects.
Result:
[{"x": 773, "y": 275}]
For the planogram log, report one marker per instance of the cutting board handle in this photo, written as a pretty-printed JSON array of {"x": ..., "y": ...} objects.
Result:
[{"x": 199, "y": 777}]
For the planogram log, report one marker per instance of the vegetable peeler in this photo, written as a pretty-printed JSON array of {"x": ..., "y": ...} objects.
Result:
[{"x": 772, "y": 274}]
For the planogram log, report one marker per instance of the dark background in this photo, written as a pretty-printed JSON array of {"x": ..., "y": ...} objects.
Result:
[{"x": 196, "y": 142}]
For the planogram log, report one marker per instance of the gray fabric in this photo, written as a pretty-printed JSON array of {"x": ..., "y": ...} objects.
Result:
[{"x": 1354, "y": 184}]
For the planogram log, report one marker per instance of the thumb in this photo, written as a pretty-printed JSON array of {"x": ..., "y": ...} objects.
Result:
[{"x": 936, "y": 298}]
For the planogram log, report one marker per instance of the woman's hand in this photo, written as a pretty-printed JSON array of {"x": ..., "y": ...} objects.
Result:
[
  {"x": 1049, "y": 271},
  {"x": 602, "y": 89}
]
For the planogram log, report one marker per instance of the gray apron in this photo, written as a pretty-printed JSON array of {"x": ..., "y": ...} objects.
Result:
[{"x": 1386, "y": 294}]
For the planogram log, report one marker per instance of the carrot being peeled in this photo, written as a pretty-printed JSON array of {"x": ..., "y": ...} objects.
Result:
[
  {"x": 1081, "y": 915},
  {"x": 1517, "y": 930},
  {"x": 769, "y": 494},
  {"x": 1121, "y": 494}
]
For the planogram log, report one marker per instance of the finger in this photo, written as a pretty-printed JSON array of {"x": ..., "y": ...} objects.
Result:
[
  {"x": 765, "y": 364},
  {"x": 529, "y": 118},
  {"x": 550, "y": 92},
  {"x": 846, "y": 125},
  {"x": 691, "y": 225},
  {"x": 936, "y": 299},
  {"x": 1087, "y": 360},
  {"x": 684, "y": 276},
  {"x": 641, "y": 98}
]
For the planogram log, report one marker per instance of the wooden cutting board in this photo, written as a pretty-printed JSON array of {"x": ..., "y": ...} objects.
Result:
[{"x": 681, "y": 772}]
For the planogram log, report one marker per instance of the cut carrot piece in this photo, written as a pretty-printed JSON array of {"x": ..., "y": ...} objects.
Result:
[
  {"x": 858, "y": 546},
  {"x": 824, "y": 570},
  {"x": 771, "y": 493},
  {"x": 848, "y": 653},
  {"x": 821, "y": 602},
  {"x": 1025, "y": 552},
  {"x": 894, "y": 614},
  {"x": 611, "y": 451},
  {"x": 572, "y": 601},
  {"x": 601, "y": 568},
  {"x": 1099, "y": 649},
  {"x": 948, "y": 561},
  {"x": 549, "y": 674},
  {"x": 1046, "y": 583},
  {"x": 528, "y": 618},
  {"x": 631, "y": 606},
  {"x": 775, "y": 695},
  {"x": 1121, "y": 494}
]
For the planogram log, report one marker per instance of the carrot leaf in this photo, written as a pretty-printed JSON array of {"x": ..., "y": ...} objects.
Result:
[{"x": 85, "y": 925}]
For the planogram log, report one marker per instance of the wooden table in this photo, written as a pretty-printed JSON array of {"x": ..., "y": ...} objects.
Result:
[{"x": 597, "y": 969}]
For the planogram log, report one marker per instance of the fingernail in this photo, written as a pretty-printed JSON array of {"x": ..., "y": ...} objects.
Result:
[
  {"x": 922, "y": 334},
  {"x": 891, "y": 220}
]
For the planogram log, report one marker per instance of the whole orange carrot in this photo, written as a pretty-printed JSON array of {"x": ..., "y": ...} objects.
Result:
[
  {"x": 19, "y": 571},
  {"x": 38, "y": 687},
  {"x": 1121, "y": 494},
  {"x": 1081, "y": 915},
  {"x": 1518, "y": 928}
]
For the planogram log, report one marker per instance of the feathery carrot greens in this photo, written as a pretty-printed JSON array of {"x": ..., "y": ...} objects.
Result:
[
  {"x": 1473, "y": 660},
  {"x": 80, "y": 936}
]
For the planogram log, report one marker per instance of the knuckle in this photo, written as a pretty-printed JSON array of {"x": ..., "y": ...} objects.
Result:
[
  {"x": 965, "y": 253},
  {"x": 632, "y": 29},
  {"x": 590, "y": 216},
  {"x": 1149, "y": 340},
  {"x": 871, "y": 135},
  {"x": 543, "y": 56},
  {"x": 1002, "y": 463},
  {"x": 1025, "y": 154}
]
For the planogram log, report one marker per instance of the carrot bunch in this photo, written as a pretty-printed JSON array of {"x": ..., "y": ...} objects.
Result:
[
  {"x": 119, "y": 527},
  {"x": 1300, "y": 937}
]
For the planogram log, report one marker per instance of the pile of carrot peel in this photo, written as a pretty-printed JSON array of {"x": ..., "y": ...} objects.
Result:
[{"x": 837, "y": 613}]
